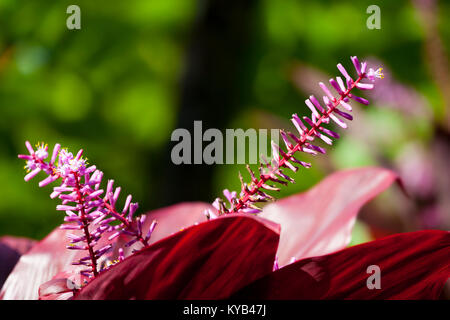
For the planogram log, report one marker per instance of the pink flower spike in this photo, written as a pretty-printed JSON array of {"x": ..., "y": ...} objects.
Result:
[
  {"x": 338, "y": 121},
  {"x": 70, "y": 227},
  {"x": 229, "y": 195},
  {"x": 127, "y": 204},
  {"x": 121, "y": 255},
  {"x": 79, "y": 154},
  {"x": 251, "y": 210},
  {"x": 48, "y": 180},
  {"x": 115, "y": 196},
  {"x": 103, "y": 250},
  {"x": 330, "y": 132},
  {"x": 327, "y": 102},
  {"x": 32, "y": 174},
  {"x": 29, "y": 147},
  {"x": 99, "y": 180},
  {"x": 346, "y": 105},
  {"x": 90, "y": 170},
  {"x": 309, "y": 121},
  {"x": 356, "y": 64},
  {"x": 311, "y": 107},
  {"x": 359, "y": 99},
  {"x": 94, "y": 194},
  {"x": 216, "y": 204},
  {"x": 309, "y": 151},
  {"x": 308, "y": 131},
  {"x": 75, "y": 238},
  {"x": 130, "y": 243},
  {"x": 98, "y": 220},
  {"x": 275, "y": 151},
  {"x": 150, "y": 230},
  {"x": 75, "y": 247},
  {"x": 327, "y": 92},
  {"x": 133, "y": 208},
  {"x": 114, "y": 235},
  {"x": 324, "y": 138},
  {"x": 55, "y": 194},
  {"x": 24, "y": 157},
  {"x": 344, "y": 72},
  {"x": 62, "y": 207},
  {"x": 55, "y": 153},
  {"x": 63, "y": 189},
  {"x": 372, "y": 74},
  {"x": 316, "y": 103},
  {"x": 343, "y": 114},
  {"x": 298, "y": 124},
  {"x": 316, "y": 148},
  {"x": 286, "y": 141},
  {"x": 363, "y": 67},
  {"x": 106, "y": 221},
  {"x": 341, "y": 83},
  {"x": 336, "y": 86},
  {"x": 72, "y": 218},
  {"x": 364, "y": 86},
  {"x": 109, "y": 186}
]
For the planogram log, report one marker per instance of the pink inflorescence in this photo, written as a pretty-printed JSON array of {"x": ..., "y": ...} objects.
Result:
[
  {"x": 308, "y": 129},
  {"x": 87, "y": 207}
]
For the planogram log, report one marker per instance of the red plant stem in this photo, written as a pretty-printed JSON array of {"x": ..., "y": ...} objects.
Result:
[
  {"x": 81, "y": 201},
  {"x": 265, "y": 177}
]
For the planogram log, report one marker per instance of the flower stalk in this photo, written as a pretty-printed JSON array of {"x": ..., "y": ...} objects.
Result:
[
  {"x": 88, "y": 208},
  {"x": 308, "y": 129}
]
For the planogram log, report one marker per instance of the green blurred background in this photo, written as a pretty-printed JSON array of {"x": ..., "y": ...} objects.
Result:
[{"x": 139, "y": 69}]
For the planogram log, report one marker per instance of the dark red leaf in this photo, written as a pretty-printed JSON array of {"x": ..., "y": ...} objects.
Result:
[
  {"x": 41, "y": 263},
  {"x": 208, "y": 261},
  {"x": 413, "y": 265},
  {"x": 11, "y": 248},
  {"x": 50, "y": 256},
  {"x": 62, "y": 286},
  {"x": 56, "y": 289},
  {"x": 172, "y": 219},
  {"x": 320, "y": 221},
  {"x": 175, "y": 218},
  {"x": 20, "y": 244}
]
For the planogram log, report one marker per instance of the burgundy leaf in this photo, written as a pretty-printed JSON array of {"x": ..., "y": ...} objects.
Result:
[
  {"x": 41, "y": 263},
  {"x": 56, "y": 289},
  {"x": 8, "y": 259},
  {"x": 320, "y": 221},
  {"x": 172, "y": 219},
  {"x": 62, "y": 286},
  {"x": 412, "y": 265},
  {"x": 176, "y": 217},
  {"x": 206, "y": 261},
  {"x": 50, "y": 256},
  {"x": 11, "y": 248},
  {"x": 20, "y": 244}
]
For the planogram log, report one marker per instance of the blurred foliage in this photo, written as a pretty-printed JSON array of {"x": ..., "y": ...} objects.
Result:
[{"x": 112, "y": 88}]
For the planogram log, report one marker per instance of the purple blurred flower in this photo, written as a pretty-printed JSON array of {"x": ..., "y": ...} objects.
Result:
[{"x": 398, "y": 96}]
